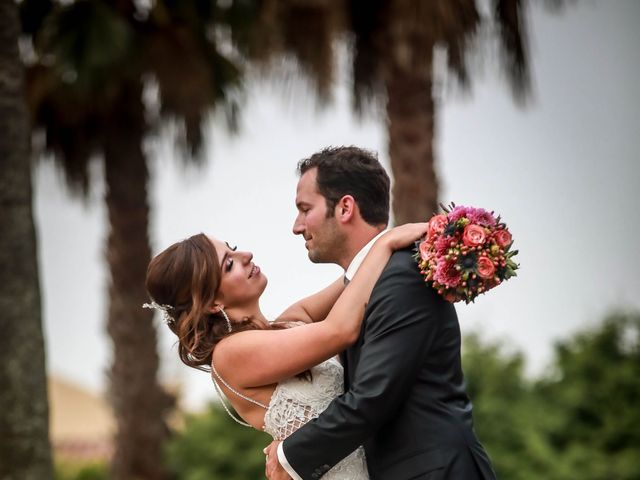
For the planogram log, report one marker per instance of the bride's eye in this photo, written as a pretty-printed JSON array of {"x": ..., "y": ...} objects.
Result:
[{"x": 229, "y": 265}]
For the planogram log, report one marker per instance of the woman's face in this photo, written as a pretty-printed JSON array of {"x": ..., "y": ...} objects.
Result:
[{"x": 241, "y": 281}]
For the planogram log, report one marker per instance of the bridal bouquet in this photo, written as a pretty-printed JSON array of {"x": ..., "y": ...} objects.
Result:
[{"x": 466, "y": 252}]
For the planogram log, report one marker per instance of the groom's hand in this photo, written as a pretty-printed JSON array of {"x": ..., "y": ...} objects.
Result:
[{"x": 273, "y": 470}]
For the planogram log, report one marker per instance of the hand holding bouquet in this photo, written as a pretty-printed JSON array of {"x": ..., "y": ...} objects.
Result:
[{"x": 466, "y": 252}]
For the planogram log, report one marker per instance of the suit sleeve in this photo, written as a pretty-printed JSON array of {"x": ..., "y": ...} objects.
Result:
[{"x": 399, "y": 331}]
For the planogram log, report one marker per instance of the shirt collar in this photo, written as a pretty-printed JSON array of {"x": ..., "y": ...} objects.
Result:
[{"x": 359, "y": 257}]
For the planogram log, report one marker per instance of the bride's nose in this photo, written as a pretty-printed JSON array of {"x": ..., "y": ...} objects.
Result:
[{"x": 246, "y": 257}]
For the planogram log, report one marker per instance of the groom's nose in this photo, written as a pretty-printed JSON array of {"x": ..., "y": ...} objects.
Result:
[{"x": 298, "y": 227}]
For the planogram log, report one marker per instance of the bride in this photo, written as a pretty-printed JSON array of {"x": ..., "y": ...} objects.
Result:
[{"x": 276, "y": 377}]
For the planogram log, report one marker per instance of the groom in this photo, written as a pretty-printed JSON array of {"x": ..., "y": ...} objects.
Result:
[{"x": 404, "y": 397}]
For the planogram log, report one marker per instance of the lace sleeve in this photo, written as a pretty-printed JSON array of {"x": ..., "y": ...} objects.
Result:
[{"x": 296, "y": 401}]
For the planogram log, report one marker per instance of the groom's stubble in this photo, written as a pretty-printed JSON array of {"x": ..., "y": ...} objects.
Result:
[{"x": 329, "y": 243}]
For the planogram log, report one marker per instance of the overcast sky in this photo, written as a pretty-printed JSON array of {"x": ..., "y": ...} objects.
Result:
[{"x": 563, "y": 172}]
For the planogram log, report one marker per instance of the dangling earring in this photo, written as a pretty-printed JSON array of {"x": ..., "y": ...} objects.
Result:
[{"x": 226, "y": 317}]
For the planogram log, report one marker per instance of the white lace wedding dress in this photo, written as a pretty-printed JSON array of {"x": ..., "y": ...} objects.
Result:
[{"x": 295, "y": 401}]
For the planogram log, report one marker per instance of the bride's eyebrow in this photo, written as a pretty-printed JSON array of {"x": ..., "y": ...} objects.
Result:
[{"x": 226, "y": 254}]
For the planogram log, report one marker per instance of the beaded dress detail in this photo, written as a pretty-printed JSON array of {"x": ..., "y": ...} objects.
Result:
[{"x": 295, "y": 401}]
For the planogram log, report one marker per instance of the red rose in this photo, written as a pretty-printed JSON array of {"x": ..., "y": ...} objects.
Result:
[
  {"x": 473, "y": 235},
  {"x": 502, "y": 238},
  {"x": 425, "y": 248},
  {"x": 437, "y": 225},
  {"x": 485, "y": 267}
]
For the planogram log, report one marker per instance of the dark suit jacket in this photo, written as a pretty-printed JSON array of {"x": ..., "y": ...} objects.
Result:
[{"x": 405, "y": 399}]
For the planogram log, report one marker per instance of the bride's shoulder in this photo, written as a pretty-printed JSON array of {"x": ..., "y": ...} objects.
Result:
[{"x": 236, "y": 345}]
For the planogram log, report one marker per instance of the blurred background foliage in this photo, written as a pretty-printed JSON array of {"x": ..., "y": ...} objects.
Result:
[
  {"x": 81, "y": 471},
  {"x": 213, "y": 446},
  {"x": 579, "y": 420}
]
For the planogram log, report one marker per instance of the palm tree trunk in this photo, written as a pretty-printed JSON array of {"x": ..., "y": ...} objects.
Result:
[
  {"x": 410, "y": 115},
  {"x": 25, "y": 451},
  {"x": 140, "y": 404}
]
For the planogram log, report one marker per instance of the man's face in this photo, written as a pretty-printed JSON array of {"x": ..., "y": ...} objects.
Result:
[{"x": 324, "y": 239}]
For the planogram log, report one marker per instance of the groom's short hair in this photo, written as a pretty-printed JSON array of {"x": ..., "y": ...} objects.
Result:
[{"x": 351, "y": 171}]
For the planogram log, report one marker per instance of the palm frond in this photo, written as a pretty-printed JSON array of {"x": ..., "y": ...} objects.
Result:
[
  {"x": 366, "y": 25},
  {"x": 514, "y": 52},
  {"x": 87, "y": 43},
  {"x": 33, "y": 14}
]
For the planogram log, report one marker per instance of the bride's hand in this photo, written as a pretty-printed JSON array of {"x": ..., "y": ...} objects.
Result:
[{"x": 404, "y": 235}]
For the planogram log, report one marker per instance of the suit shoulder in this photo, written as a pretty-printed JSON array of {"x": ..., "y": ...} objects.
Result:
[
  {"x": 401, "y": 268},
  {"x": 403, "y": 261},
  {"x": 402, "y": 275}
]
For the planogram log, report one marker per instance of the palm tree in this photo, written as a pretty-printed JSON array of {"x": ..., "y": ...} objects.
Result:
[
  {"x": 24, "y": 423},
  {"x": 86, "y": 92},
  {"x": 398, "y": 43},
  {"x": 393, "y": 54}
]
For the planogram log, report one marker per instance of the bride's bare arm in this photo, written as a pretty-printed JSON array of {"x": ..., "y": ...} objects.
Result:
[
  {"x": 316, "y": 307},
  {"x": 263, "y": 357}
]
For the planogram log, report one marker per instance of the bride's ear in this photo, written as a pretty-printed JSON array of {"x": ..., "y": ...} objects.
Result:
[{"x": 216, "y": 307}]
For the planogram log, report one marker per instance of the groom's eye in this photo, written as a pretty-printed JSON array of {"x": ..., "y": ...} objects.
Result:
[{"x": 233, "y": 249}]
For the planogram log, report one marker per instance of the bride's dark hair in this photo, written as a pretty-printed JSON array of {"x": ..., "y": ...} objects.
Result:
[{"x": 186, "y": 277}]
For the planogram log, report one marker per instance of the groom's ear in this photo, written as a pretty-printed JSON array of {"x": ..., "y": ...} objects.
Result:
[{"x": 346, "y": 208}]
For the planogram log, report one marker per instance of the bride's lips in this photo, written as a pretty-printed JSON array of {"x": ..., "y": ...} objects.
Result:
[{"x": 255, "y": 270}]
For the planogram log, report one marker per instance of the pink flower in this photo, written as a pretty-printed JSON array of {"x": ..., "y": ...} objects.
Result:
[
  {"x": 425, "y": 250},
  {"x": 485, "y": 267},
  {"x": 437, "y": 225},
  {"x": 447, "y": 275},
  {"x": 503, "y": 238},
  {"x": 442, "y": 245},
  {"x": 458, "y": 212},
  {"x": 481, "y": 217},
  {"x": 473, "y": 235}
]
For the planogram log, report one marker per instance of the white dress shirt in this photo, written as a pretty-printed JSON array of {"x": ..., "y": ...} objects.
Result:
[
  {"x": 359, "y": 257},
  {"x": 348, "y": 274}
]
